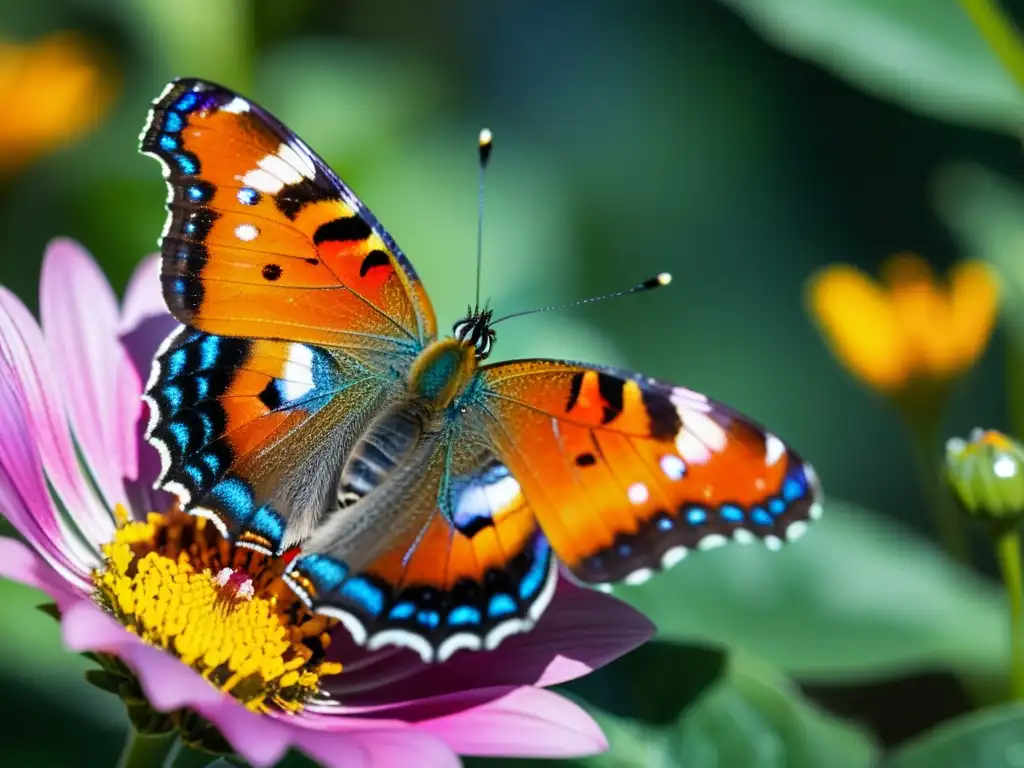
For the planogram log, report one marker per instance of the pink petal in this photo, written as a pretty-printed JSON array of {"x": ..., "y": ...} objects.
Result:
[
  {"x": 34, "y": 384},
  {"x": 516, "y": 722},
  {"x": 145, "y": 323},
  {"x": 581, "y": 631},
  {"x": 169, "y": 685},
  {"x": 143, "y": 298},
  {"x": 375, "y": 748},
  {"x": 21, "y": 564},
  {"x": 81, "y": 324},
  {"x": 24, "y": 497}
]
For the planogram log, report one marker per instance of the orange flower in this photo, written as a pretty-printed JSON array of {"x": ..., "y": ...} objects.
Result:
[
  {"x": 909, "y": 327},
  {"x": 51, "y": 91}
]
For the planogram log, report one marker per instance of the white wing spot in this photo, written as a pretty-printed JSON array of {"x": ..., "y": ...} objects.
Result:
[
  {"x": 773, "y": 449},
  {"x": 263, "y": 181},
  {"x": 457, "y": 643},
  {"x": 276, "y": 166},
  {"x": 673, "y": 556},
  {"x": 639, "y": 577},
  {"x": 246, "y": 232},
  {"x": 637, "y": 493},
  {"x": 673, "y": 467},
  {"x": 743, "y": 536},
  {"x": 796, "y": 530},
  {"x": 297, "y": 379},
  {"x": 179, "y": 490},
  {"x": 298, "y": 158},
  {"x": 236, "y": 106},
  {"x": 701, "y": 435},
  {"x": 712, "y": 541}
]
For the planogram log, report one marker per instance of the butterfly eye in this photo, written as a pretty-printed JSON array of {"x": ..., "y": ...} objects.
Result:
[
  {"x": 462, "y": 330},
  {"x": 483, "y": 347}
]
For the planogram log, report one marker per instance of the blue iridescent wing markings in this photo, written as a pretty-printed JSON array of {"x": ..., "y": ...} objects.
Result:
[
  {"x": 392, "y": 603},
  {"x": 194, "y": 384}
]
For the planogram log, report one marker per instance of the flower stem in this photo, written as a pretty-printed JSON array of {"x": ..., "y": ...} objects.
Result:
[
  {"x": 948, "y": 523},
  {"x": 1000, "y": 33},
  {"x": 1007, "y": 543},
  {"x": 145, "y": 751}
]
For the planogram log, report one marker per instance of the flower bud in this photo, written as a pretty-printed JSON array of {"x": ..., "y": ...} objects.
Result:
[{"x": 986, "y": 473}]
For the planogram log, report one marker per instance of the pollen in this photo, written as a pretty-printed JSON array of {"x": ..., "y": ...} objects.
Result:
[{"x": 177, "y": 584}]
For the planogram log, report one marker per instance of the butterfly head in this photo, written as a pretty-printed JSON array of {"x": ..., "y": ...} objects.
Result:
[{"x": 475, "y": 330}]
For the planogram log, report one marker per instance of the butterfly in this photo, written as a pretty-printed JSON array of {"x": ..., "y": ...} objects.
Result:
[{"x": 308, "y": 401}]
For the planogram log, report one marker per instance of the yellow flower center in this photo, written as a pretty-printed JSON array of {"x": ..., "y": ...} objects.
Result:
[{"x": 223, "y": 610}]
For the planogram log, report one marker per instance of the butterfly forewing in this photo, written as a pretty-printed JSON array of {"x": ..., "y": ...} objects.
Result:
[
  {"x": 264, "y": 240},
  {"x": 627, "y": 474},
  {"x": 299, "y": 310}
]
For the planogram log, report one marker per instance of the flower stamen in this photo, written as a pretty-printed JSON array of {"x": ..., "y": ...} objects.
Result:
[
  {"x": 224, "y": 611},
  {"x": 235, "y": 587}
]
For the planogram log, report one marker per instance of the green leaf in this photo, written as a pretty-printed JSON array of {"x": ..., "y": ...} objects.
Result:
[
  {"x": 50, "y": 609},
  {"x": 346, "y": 99},
  {"x": 104, "y": 680},
  {"x": 859, "y": 597},
  {"x": 986, "y": 212},
  {"x": 219, "y": 49},
  {"x": 31, "y": 652},
  {"x": 924, "y": 54},
  {"x": 993, "y": 738},
  {"x": 751, "y": 717},
  {"x": 634, "y": 686},
  {"x": 757, "y": 717}
]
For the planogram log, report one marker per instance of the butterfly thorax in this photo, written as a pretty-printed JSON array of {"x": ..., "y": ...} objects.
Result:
[
  {"x": 442, "y": 371},
  {"x": 436, "y": 378},
  {"x": 388, "y": 461}
]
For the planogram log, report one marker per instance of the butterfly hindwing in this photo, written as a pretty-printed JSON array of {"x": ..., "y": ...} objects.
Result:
[
  {"x": 475, "y": 568},
  {"x": 263, "y": 240},
  {"x": 251, "y": 430},
  {"x": 627, "y": 474}
]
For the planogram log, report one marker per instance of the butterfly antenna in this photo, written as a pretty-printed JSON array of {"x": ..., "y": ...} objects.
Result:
[
  {"x": 484, "y": 144},
  {"x": 658, "y": 281}
]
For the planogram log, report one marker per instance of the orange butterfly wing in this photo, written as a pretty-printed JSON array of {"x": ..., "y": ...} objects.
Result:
[
  {"x": 299, "y": 309},
  {"x": 264, "y": 240},
  {"x": 626, "y": 474},
  {"x": 472, "y": 569}
]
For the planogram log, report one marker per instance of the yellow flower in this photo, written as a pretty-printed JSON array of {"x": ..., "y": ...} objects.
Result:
[
  {"x": 909, "y": 327},
  {"x": 51, "y": 91}
]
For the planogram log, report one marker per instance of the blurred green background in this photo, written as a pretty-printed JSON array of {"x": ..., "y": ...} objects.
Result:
[{"x": 738, "y": 144}]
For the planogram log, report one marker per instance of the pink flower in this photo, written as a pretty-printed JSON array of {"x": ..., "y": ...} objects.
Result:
[{"x": 76, "y": 384}]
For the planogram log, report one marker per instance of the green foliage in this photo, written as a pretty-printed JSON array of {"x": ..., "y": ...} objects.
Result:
[
  {"x": 985, "y": 210},
  {"x": 991, "y": 738},
  {"x": 749, "y": 716},
  {"x": 859, "y": 598},
  {"x": 923, "y": 54}
]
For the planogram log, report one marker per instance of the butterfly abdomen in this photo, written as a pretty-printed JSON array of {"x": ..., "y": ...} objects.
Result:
[{"x": 387, "y": 443}]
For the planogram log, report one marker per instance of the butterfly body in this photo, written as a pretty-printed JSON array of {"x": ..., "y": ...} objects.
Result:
[{"x": 308, "y": 401}]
